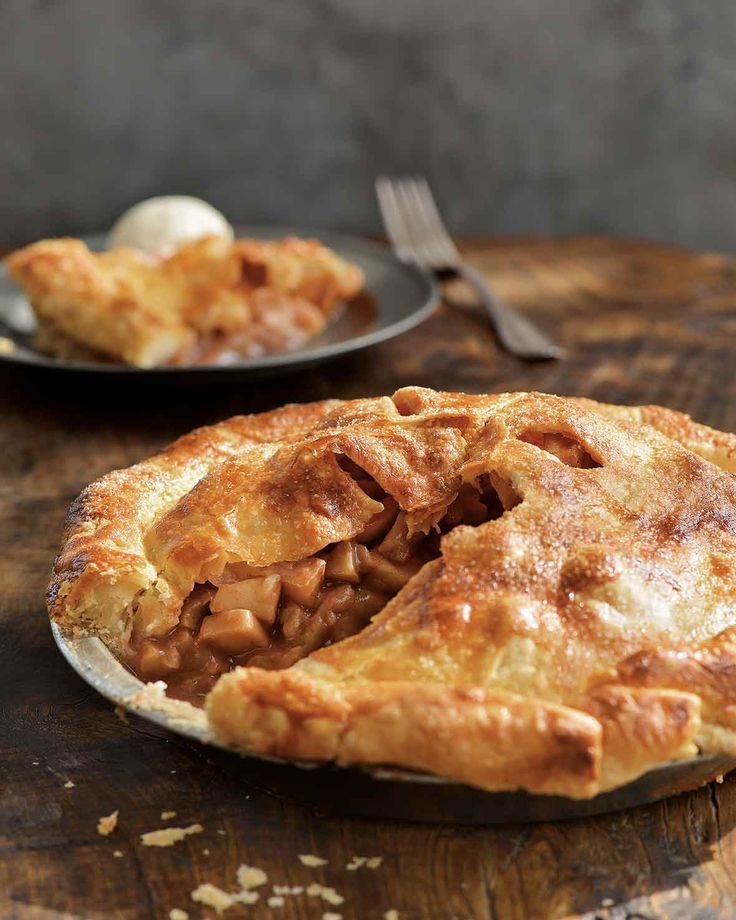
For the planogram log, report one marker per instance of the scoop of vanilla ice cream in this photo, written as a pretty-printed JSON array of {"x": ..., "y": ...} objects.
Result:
[{"x": 162, "y": 223}]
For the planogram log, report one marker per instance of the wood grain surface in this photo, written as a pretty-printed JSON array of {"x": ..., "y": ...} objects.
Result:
[{"x": 643, "y": 323}]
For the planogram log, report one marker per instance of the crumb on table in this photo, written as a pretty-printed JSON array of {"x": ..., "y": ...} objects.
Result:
[{"x": 107, "y": 824}]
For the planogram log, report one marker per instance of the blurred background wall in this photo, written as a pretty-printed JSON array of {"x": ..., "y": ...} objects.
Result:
[{"x": 602, "y": 116}]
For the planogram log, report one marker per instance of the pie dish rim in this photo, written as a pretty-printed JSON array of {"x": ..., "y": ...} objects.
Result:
[{"x": 98, "y": 667}]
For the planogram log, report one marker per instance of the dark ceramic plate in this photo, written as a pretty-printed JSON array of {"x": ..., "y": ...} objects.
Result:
[
  {"x": 396, "y": 298},
  {"x": 376, "y": 792}
]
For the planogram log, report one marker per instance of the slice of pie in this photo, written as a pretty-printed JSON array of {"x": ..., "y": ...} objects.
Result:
[
  {"x": 208, "y": 300},
  {"x": 514, "y": 591}
]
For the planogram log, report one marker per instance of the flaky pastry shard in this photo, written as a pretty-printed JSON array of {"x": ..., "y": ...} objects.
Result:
[{"x": 513, "y": 590}]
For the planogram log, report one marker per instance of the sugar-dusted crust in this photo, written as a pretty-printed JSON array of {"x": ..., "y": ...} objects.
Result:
[
  {"x": 146, "y": 309},
  {"x": 566, "y": 647}
]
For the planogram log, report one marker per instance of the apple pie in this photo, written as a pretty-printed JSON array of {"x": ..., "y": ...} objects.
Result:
[
  {"x": 207, "y": 301},
  {"x": 512, "y": 591}
]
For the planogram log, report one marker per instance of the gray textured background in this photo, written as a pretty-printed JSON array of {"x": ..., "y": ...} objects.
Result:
[{"x": 605, "y": 116}]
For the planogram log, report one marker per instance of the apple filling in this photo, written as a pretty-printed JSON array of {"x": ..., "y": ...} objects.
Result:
[{"x": 271, "y": 616}]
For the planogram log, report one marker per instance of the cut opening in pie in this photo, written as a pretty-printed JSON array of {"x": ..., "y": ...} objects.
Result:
[{"x": 271, "y": 616}]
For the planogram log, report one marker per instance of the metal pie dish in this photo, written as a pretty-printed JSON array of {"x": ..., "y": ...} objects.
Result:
[
  {"x": 388, "y": 793},
  {"x": 396, "y": 298}
]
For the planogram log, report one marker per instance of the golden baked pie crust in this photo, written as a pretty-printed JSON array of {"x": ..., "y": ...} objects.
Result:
[{"x": 579, "y": 639}]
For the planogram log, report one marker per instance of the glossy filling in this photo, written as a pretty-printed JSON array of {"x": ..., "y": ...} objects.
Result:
[{"x": 271, "y": 616}]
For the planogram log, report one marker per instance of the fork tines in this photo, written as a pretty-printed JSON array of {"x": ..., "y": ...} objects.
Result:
[{"x": 413, "y": 222}]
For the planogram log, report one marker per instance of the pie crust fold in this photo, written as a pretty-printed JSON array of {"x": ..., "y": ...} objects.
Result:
[{"x": 512, "y": 590}]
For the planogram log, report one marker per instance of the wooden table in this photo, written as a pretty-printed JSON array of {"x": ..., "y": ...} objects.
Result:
[{"x": 643, "y": 323}]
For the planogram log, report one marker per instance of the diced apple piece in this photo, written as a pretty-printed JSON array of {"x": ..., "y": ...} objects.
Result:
[
  {"x": 386, "y": 575},
  {"x": 368, "y": 603},
  {"x": 335, "y": 600},
  {"x": 318, "y": 628},
  {"x": 234, "y": 631},
  {"x": 260, "y": 595},
  {"x": 301, "y": 581},
  {"x": 239, "y": 571},
  {"x": 397, "y": 544},
  {"x": 195, "y": 606},
  {"x": 362, "y": 557},
  {"x": 154, "y": 660},
  {"x": 342, "y": 563},
  {"x": 185, "y": 644},
  {"x": 380, "y": 523},
  {"x": 292, "y": 617}
]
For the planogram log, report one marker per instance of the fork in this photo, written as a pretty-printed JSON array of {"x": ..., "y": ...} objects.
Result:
[{"x": 418, "y": 235}]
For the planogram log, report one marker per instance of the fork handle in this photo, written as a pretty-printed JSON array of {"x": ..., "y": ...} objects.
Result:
[{"x": 514, "y": 332}]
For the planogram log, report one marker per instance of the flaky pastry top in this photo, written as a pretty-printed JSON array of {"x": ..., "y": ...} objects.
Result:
[{"x": 575, "y": 641}]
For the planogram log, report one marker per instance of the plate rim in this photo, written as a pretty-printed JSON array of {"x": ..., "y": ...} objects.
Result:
[{"x": 284, "y": 360}]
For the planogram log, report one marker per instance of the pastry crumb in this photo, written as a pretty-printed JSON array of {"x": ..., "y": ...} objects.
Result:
[
  {"x": 332, "y": 897},
  {"x": 121, "y": 714},
  {"x": 309, "y": 859},
  {"x": 221, "y": 832},
  {"x": 107, "y": 824},
  {"x": 275, "y": 901},
  {"x": 326, "y": 893},
  {"x": 607, "y": 902},
  {"x": 219, "y": 900},
  {"x": 36, "y": 763},
  {"x": 205, "y": 852},
  {"x": 251, "y": 877},
  {"x": 168, "y": 836},
  {"x": 167, "y": 815},
  {"x": 118, "y": 854},
  {"x": 7, "y": 346},
  {"x": 370, "y": 862},
  {"x": 288, "y": 889},
  {"x": 212, "y": 896},
  {"x": 391, "y": 914},
  {"x": 176, "y": 913},
  {"x": 329, "y": 915},
  {"x": 68, "y": 784}
]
